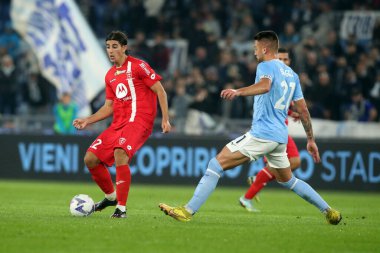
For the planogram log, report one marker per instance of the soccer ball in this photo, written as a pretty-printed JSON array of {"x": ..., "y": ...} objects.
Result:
[{"x": 82, "y": 205}]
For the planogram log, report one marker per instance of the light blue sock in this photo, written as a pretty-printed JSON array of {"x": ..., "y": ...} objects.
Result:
[
  {"x": 205, "y": 186},
  {"x": 305, "y": 191}
]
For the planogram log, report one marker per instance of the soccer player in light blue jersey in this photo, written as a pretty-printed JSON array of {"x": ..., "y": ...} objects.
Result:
[
  {"x": 264, "y": 176},
  {"x": 276, "y": 85}
]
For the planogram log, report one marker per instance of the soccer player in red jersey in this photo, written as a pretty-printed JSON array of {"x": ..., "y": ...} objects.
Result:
[
  {"x": 264, "y": 175},
  {"x": 132, "y": 89}
]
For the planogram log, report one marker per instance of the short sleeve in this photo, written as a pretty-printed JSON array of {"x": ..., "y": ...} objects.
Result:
[
  {"x": 264, "y": 71},
  {"x": 298, "y": 90},
  {"x": 147, "y": 74}
]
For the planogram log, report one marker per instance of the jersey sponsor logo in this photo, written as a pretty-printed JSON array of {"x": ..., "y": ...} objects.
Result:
[
  {"x": 122, "y": 140},
  {"x": 153, "y": 76},
  {"x": 118, "y": 72},
  {"x": 144, "y": 67},
  {"x": 121, "y": 90}
]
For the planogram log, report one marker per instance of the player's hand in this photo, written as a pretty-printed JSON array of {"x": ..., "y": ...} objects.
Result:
[
  {"x": 166, "y": 127},
  {"x": 229, "y": 94},
  {"x": 295, "y": 116},
  {"x": 80, "y": 123},
  {"x": 313, "y": 151}
]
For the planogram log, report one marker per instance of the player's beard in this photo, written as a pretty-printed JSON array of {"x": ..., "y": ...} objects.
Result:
[{"x": 258, "y": 58}]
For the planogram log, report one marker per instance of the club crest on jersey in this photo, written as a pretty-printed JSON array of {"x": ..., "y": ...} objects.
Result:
[
  {"x": 122, "y": 141},
  {"x": 118, "y": 72},
  {"x": 121, "y": 90}
]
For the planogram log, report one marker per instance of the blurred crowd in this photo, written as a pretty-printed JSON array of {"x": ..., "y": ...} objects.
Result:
[
  {"x": 340, "y": 79},
  {"x": 23, "y": 90}
]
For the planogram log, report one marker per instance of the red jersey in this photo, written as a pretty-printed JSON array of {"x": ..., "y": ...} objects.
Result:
[{"x": 129, "y": 88}]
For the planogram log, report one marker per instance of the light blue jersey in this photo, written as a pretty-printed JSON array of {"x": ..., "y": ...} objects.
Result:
[{"x": 271, "y": 109}]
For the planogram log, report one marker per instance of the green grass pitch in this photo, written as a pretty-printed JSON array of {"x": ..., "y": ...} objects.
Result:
[{"x": 34, "y": 217}]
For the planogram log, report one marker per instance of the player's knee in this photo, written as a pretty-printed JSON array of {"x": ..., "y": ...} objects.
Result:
[
  {"x": 119, "y": 152},
  {"x": 224, "y": 159},
  {"x": 121, "y": 157},
  {"x": 91, "y": 160}
]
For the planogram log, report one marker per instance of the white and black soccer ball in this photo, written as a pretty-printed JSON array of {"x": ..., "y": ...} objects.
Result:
[{"x": 82, "y": 205}]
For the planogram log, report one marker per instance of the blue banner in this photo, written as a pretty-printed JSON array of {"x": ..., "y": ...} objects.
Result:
[
  {"x": 346, "y": 165},
  {"x": 69, "y": 54}
]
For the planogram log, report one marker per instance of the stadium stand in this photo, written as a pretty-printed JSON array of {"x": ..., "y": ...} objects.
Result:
[{"x": 205, "y": 46}]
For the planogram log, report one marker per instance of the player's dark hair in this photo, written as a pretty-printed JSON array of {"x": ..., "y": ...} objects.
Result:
[
  {"x": 286, "y": 51},
  {"x": 269, "y": 36},
  {"x": 120, "y": 37}
]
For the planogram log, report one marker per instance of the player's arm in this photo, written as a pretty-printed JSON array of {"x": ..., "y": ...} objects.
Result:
[
  {"x": 292, "y": 112},
  {"x": 163, "y": 101},
  {"x": 261, "y": 87},
  {"x": 306, "y": 122},
  {"x": 104, "y": 112}
]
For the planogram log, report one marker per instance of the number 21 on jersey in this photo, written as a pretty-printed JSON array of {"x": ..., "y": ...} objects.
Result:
[{"x": 280, "y": 105}]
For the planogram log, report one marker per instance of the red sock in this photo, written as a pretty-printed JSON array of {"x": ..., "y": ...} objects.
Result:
[
  {"x": 262, "y": 178},
  {"x": 123, "y": 181},
  {"x": 102, "y": 177}
]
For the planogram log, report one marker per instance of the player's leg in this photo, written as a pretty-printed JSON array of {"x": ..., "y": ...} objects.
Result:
[
  {"x": 99, "y": 174},
  {"x": 223, "y": 161},
  {"x": 129, "y": 140},
  {"x": 295, "y": 163},
  {"x": 228, "y": 158},
  {"x": 97, "y": 155},
  {"x": 305, "y": 191},
  {"x": 293, "y": 154},
  {"x": 265, "y": 175},
  {"x": 260, "y": 180},
  {"x": 123, "y": 182},
  {"x": 281, "y": 169}
]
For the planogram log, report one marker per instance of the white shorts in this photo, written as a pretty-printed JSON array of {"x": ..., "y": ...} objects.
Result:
[{"x": 255, "y": 148}]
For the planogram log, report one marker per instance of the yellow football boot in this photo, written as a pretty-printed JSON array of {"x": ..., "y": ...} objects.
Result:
[
  {"x": 179, "y": 213},
  {"x": 333, "y": 216}
]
